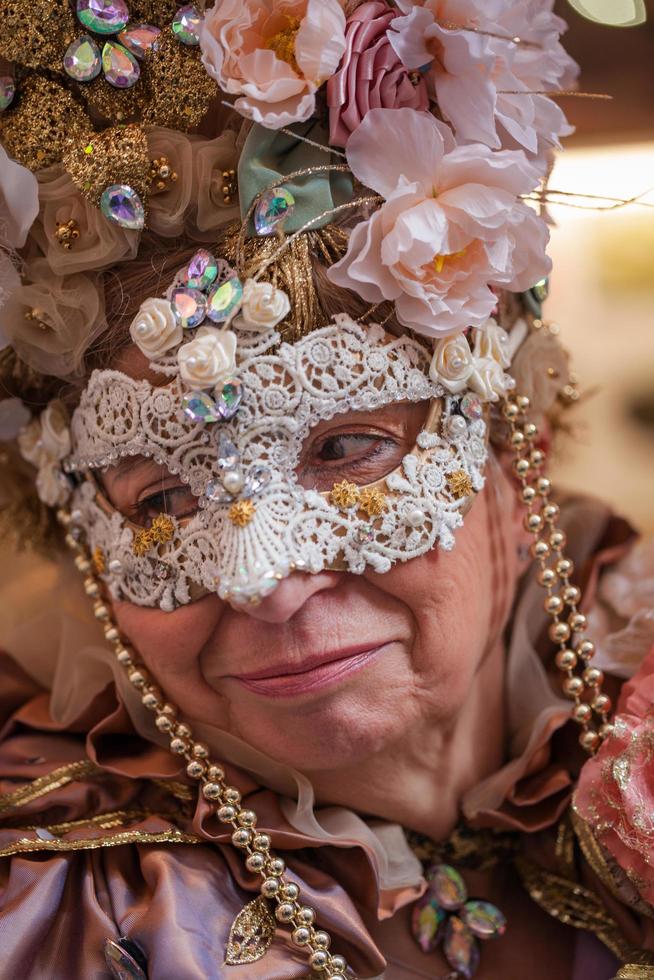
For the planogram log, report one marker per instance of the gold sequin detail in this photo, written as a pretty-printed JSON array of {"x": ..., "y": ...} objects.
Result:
[
  {"x": 46, "y": 116},
  {"x": 48, "y": 784},
  {"x": 372, "y": 501},
  {"x": 66, "y": 233},
  {"x": 180, "y": 87},
  {"x": 117, "y": 156},
  {"x": 251, "y": 934},
  {"x": 344, "y": 494},
  {"x": 162, "y": 529},
  {"x": 28, "y": 845},
  {"x": 241, "y": 512},
  {"x": 115, "y": 105},
  {"x": 36, "y": 33},
  {"x": 459, "y": 483},
  {"x": 141, "y": 543},
  {"x": 99, "y": 560},
  {"x": 161, "y": 173}
]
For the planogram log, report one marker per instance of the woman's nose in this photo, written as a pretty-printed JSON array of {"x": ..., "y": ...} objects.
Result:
[{"x": 289, "y": 596}]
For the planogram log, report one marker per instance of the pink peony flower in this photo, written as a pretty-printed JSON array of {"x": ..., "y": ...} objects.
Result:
[
  {"x": 485, "y": 86},
  {"x": 615, "y": 794},
  {"x": 274, "y": 55},
  {"x": 451, "y": 225},
  {"x": 371, "y": 75}
]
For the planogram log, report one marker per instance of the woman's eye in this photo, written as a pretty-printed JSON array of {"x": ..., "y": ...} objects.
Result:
[
  {"x": 346, "y": 445},
  {"x": 361, "y": 457},
  {"x": 177, "y": 501}
]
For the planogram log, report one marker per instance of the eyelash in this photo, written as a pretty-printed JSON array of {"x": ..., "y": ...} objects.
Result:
[
  {"x": 382, "y": 444},
  {"x": 159, "y": 503}
]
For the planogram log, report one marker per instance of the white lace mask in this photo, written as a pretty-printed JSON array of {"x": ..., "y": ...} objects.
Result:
[{"x": 254, "y": 522}]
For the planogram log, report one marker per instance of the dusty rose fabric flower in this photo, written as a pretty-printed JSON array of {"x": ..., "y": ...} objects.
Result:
[
  {"x": 615, "y": 794},
  {"x": 168, "y": 207},
  {"x": 485, "y": 85},
  {"x": 101, "y": 243},
  {"x": 210, "y": 159},
  {"x": 273, "y": 55},
  {"x": 52, "y": 320},
  {"x": 451, "y": 225},
  {"x": 371, "y": 75}
]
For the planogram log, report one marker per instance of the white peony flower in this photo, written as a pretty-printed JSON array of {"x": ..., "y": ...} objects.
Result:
[
  {"x": 263, "y": 305},
  {"x": 155, "y": 329},
  {"x": 55, "y": 434},
  {"x": 452, "y": 363},
  {"x": 208, "y": 358},
  {"x": 491, "y": 340}
]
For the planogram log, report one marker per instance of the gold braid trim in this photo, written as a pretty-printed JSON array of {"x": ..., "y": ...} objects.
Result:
[
  {"x": 635, "y": 971},
  {"x": 48, "y": 783},
  {"x": 575, "y": 906},
  {"x": 105, "y": 821},
  {"x": 25, "y": 845}
]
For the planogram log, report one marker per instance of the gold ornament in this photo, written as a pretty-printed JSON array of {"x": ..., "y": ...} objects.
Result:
[
  {"x": 180, "y": 87},
  {"x": 36, "y": 130},
  {"x": 66, "y": 233},
  {"x": 372, "y": 501},
  {"x": 36, "y": 33},
  {"x": 344, "y": 494},
  {"x": 241, "y": 512},
  {"x": 162, "y": 529},
  {"x": 459, "y": 483},
  {"x": 98, "y": 560},
  {"x": 229, "y": 186},
  {"x": 251, "y": 934},
  {"x": 141, "y": 543},
  {"x": 118, "y": 155},
  {"x": 161, "y": 172}
]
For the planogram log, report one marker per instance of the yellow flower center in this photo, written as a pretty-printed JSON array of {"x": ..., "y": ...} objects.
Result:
[
  {"x": 283, "y": 43},
  {"x": 440, "y": 260}
]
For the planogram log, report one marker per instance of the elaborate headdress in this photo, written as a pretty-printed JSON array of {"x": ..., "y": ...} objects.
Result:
[{"x": 308, "y": 153}]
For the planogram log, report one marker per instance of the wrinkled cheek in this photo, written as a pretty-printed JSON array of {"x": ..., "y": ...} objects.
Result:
[{"x": 170, "y": 643}]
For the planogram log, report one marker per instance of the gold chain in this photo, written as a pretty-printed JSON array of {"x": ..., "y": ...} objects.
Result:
[
  {"x": 582, "y": 682},
  {"x": 256, "y": 845}
]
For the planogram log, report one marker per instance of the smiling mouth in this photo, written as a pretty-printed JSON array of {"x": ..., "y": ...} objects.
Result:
[{"x": 312, "y": 674}]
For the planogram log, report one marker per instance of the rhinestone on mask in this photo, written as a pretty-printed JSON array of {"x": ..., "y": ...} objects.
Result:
[
  {"x": 272, "y": 208},
  {"x": 103, "y": 16},
  {"x": 189, "y": 306},
  {"x": 122, "y": 205},
  {"x": 82, "y": 59},
  {"x": 228, "y": 398},
  {"x": 120, "y": 67},
  {"x": 224, "y": 299},
  {"x": 186, "y": 25},
  {"x": 199, "y": 407},
  {"x": 202, "y": 270},
  {"x": 7, "y": 91},
  {"x": 472, "y": 406},
  {"x": 140, "y": 39}
]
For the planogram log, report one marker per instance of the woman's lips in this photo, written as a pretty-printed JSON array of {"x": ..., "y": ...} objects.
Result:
[{"x": 313, "y": 674}]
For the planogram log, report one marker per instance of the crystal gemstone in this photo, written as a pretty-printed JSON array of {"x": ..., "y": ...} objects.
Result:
[
  {"x": 124, "y": 959},
  {"x": 228, "y": 398},
  {"x": 447, "y": 886},
  {"x": 199, "y": 407},
  {"x": 258, "y": 478},
  {"x": 186, "y": 24},
  {"x": 140, "y": 39},
  {"x": 274, "y": 206},
  {"x": 121, "y": 69},
  {"x": 483, "y": 919},
  {"x": 7, "y": 91},
  {"x": 189, "y": 306},
  {"x": 471, "y": 406},
  {"x": 122, "y": 205},
  {"x": 427, "y": 921},
  {"x": 460, "y": 948},
  {"x": 82, "y": 59},
  {"x": 103, "y": 16},
  {"x": 202, "y": 270},
  {"x": 224, "y": 300},
  {"x": 228, "y": 454}
]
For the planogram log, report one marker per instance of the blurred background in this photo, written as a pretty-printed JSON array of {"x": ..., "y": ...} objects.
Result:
[{"x": 602, "y": 289}]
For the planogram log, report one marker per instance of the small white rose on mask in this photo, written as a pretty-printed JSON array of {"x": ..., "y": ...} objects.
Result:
[
  {"x": 263, "y": 305},
  {"x": 452, "y": 363},
  {"x": 491, "y": 340},
  {"x": 489, "y": 380},
  {"x": 207, "y": 359},
  {"x": 155, "y": 329}
]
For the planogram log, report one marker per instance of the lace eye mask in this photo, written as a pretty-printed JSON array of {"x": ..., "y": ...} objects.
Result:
[{"x": 254, "y": 522}]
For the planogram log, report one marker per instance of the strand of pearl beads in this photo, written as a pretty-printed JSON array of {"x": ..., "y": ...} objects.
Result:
[
  {"x": 582, "y": 682},
  {"x": 260, "y": 859}
]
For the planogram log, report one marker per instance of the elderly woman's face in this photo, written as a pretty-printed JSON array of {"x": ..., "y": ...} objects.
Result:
[{"x": 333, "y": 667}]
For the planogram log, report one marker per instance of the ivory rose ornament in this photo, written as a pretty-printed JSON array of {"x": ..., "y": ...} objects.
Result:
[
  {"x": 207, "y": 359},
  {"x": 452, "y": 224},
  {"x": 155, "y": 329},
  {"x": 273, "y": 55},
  {"x": 452, "y": 363},
  {"x": 263, "y": 305}
]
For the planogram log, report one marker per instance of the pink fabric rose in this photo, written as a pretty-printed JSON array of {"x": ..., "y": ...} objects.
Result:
[
  {"x": 273, "y": 55},
  {"x": 371, "y": 75},
  {"x": 451, "y": 225},
  {"x": 100, "y": 244},
  {"x": 486, "y": 86},
  {"x": 615, "y": 794}
]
